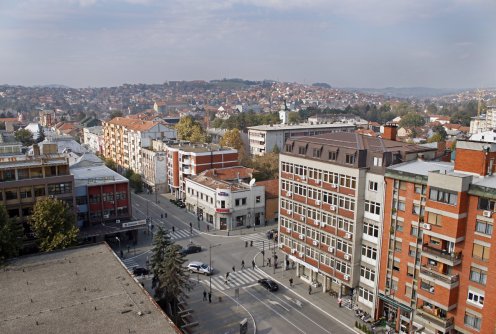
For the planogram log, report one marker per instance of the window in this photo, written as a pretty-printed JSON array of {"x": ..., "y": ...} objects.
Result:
[
  {"x": 289, "y": 147},
  {"x": 420, "y": 189},
  {"x": 472, "y": 320},
  {"x": 367, "y": 273},
  {"x": 478, "y": 275},
  {"x": 476, "y": 298},
  {"x": 377, "y": 162},
  {"x": 333, "y": 156},
  {"x": 410, "y": 271},
  {"x": 366, "y": 294},
  {"x": 414, "y": 231},
  {"x": 316, "y": 153},
  {"x": 236, "y": 202},
  {"x": 369, "y": 252},
  {"x": 350, "y": 159},
  {"x": 401, "y": 206},
  {"x": 397, "y": 246},
  {"x": 373, "y": 207},
  {"x": 258, "y": 199},
  {"x": 480, "y": 252},
  {"x": 60, "y": 188},
  {"x": 412, "y": 250},
  {"x": 243, "y": 201},
  {"x": 443, "y": 196},
  {"x": 486, "y": 204},
  {"x": 484, "y": 227},
  {"x": 434, "y": 219},
  {"x": 10, "y": 194},
  {"x": 371, "y": 230},
  {"x": 25, "y": 193},
  {"x": 373, "y": 185},
  {"x": 302, "y": 150},
  {"x": 396, "y": 265}
]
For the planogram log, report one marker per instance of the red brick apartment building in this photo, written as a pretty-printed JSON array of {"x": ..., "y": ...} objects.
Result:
[
  {"x": 331, "y": 209},
  {"x": 438, "y": 256}
]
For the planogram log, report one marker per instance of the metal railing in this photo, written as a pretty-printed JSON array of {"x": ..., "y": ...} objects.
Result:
[
  {"x": 450, "y": 279},
  {"x": 442, "y": 253}
]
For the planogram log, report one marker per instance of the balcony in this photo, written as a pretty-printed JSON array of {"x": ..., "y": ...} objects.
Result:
[
  {"x": 448, "y": 281},
  {"x": 441, "y": 255},
  {"x": 428, "y": 318}
]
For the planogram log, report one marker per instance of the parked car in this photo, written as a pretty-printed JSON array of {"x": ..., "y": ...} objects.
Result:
[
  {"x": 190, "y": 249},
  {"x": 180, "y": 204},
  {"x": 139, "y": 271},
  {"x": 268, "y": 284},
  {"x": 199, "y": 267},
  {"x": 270, "y": 233}
]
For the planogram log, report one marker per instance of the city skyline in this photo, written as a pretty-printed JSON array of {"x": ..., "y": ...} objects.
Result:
[{"x": 376, "y": 44}]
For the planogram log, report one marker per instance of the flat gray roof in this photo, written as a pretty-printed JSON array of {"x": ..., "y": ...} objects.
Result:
[
  {"x": 422, "y": 167},
  {"x": 80, "y": 290},
  {"x": 302, "y": 126},
  {"x": 93, "y": 175}
]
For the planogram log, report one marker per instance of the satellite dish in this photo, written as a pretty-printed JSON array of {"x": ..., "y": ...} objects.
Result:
[{"x": 252, "y": 182}]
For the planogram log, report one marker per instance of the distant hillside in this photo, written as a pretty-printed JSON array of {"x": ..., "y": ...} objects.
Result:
[{"x": 407, "y": 92}]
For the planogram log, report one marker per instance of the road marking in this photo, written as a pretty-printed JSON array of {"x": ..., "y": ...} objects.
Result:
[
  {"x": 250, "y": 286},
  {"x": 236, "y": 279},
  {"x": 275, "y": 311},
  {"x": 273, "y": 302}
]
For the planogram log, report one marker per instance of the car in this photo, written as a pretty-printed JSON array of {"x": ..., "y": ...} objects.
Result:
[
  {"x": 268, "y": 284},
  {"x": 180, "y": 204},
  {"x": 190, "y": 249},
  {"x": 270, "y": 233},
  {"x": 139, "y": 271},
  {"x": 199, "y": 267}
]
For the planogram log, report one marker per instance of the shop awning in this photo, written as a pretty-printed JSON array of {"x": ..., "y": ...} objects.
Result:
[{"x": 394, "y": 303}]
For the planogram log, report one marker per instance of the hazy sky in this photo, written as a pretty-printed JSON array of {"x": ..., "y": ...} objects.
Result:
[{"x": 359, "y": 43}]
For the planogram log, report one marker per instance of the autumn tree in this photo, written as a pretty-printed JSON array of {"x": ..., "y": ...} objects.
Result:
[
  {"x": 294, "y": 117},
  {"x": 266, "y": 166},
  {"x": 54, "y": 224},
  {"x": 232, "y": 138},
  {"x": 11, "y": 235},
  {"x": 189, "y": 129}
]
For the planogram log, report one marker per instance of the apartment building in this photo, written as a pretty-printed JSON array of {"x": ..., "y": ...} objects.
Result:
[
  {"x": 93, "y": 139},
  {"x": 125, "y": 137},
  {"x": 437, "y": 251},
  {"x": 263, "y": 138},
  {"x": 25, "y": 178},
  {"x": 154, "y": 169},
  {"x": 226, "y": 204},
  {"x": 331, "y": 208},
  {"x": 185, "y": 159}
]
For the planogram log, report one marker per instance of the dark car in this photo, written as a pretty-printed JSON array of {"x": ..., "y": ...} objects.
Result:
[
  {"x": 270, "y": 233},
  {"x": 268, "y": 284},
  {"x": 140, "y": 271},
  {"x": 180, "y": 204},
  {"x": 190, "y": 249}
]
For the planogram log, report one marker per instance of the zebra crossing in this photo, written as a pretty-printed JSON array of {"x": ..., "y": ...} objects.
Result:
[
  {"x": 130, "y": 263},
  {"x": 182, "y": 234},
  {"x": 236, "y": 279},
  {"x": 259, "y": 240}
]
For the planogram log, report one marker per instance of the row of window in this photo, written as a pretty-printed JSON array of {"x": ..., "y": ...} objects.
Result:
[
  {"x": 342, "y": 180},
  {"x": 53, "y": 189}
]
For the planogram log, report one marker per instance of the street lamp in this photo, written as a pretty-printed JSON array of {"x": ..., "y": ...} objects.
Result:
[
  {"x": 120, "y": 249},
  {"x": 210, "y": 255}
]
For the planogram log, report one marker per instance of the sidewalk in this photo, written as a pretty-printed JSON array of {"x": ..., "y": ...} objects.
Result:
[{"x": 319, "y": 299}]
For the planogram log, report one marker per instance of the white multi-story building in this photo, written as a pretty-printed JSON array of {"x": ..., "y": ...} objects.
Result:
[
  {"x": 154, "y": 169},
  {"x": 93, "y": 139},
  {"x": 263, "y": 138},
  {"x": 226, "y": 205}
]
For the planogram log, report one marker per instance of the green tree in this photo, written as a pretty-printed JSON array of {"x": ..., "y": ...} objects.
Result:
[
  {"x": 294, "y": 117},
  {"x": 189, "y": 129},
  {"x": 53, "y": 224},
  {"x": 266, "y": 166},
  {"x": 232, "y": 138},
  {"x": 11, "y": 236},
  {"x": 136, "y": 183},
  {"x": 161, "y": 241},
  {"x": 435, "y": 138},
  {"x": 412, "y": 120},
  {"x": 24, "y": 136},
  {"x": 439, "y": 129},
  {"x": 110, "y": 163}
]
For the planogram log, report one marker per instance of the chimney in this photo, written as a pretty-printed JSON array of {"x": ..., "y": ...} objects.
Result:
[
  {"x": 390, "y": 130},
  {"x": 36, "y": 150}
]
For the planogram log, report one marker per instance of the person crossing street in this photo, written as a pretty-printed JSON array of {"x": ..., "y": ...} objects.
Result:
[{"x": 242, "y": 264}]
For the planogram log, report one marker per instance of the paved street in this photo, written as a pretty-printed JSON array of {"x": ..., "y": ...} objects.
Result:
[{"x": 289, "y": 310}]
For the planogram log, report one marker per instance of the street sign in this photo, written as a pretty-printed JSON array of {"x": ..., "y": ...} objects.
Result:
[{"x": 135, "y": 223}]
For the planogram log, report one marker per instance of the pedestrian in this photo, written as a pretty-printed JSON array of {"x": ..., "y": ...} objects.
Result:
[
  {"x": 161, "y": 216},
  {"x": 268, "y": 262},
  {"x": 291, "y": 281},
  {"x": 242, "y": 264},
  {"x": 210, "y": 297},
  {"x": 208, "y": 228},
  {"x": 227, "y": 275},
  {"x": 122, "y": 254},
  {"x": 204, "y": 295},
  {"x": 287, "y": 264},
  {"x": 234, "y": 269},
  {"x": 173, "y": 229},
  {"x": 340, "y": 301},
  {"x": 253, "y": 264},
  {"x": 309, "y": 289}
]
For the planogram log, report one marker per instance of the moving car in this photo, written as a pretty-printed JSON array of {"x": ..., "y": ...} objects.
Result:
[
  {"x": 139, "y": 271},
  {"x": 268, "y": 284},
  {"x": 190, "y": 249},
  {"x": 199, "y": 267}
]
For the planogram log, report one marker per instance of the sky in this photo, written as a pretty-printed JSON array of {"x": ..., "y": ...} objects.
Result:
[{"x": 346, "y": 43}]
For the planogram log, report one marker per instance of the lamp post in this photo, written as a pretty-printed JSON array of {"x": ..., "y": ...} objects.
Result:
[
  {"x": 117, "y": 238},
  {"x": 210, "y": 276}
]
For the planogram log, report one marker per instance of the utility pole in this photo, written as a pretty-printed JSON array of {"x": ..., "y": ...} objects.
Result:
[{"x": 263, "y": 253}]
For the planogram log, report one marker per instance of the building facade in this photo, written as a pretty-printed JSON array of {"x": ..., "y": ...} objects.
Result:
[
  {"x": 154, "y": 169},
  {"x": 331, "y": 208},
  {"x": 263, "y": 138},
  {"x": 93, "y": 139},
  {"x": 437, "y": 251}
]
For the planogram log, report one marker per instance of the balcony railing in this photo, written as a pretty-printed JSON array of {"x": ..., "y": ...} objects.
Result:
[
  {"x": 449, "y": 279},
  {"x": 453, "y": 256},
  {"x": 430, "y": 318}
]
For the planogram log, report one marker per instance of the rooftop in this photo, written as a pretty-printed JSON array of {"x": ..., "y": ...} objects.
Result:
[
  {"x": 197, "y": 148},
  {"x": 80, "y": 290},
  {"x": 133, "y": 124},
  {"x": 213, "y": 183},
  {"x": 229, "y": 173},
  {"x": 21, "y": 160},
  {"x": 422, "y": 167},
  {"x": 93, "y": 175},
  {"x": 301, "y": 126}
]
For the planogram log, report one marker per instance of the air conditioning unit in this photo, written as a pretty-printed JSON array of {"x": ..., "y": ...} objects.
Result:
[
  {"x": 281, "y": 245},
  {"x": 302, "y": 219},
  {"x": 347, "y": 256},
  {"x": 304, "y": 178},
  {"x": 301, "y": 254},
  {"x": 293, "y": 251},
  {"x": 330, "y": 249},
  {"x": 106, "y": 216},
  {"x": 347, "y": 235},
  {"x": 302, "y": 236},
  {"x": 431, "y": 289},
  {"x": 315, "y": 242},
  {"x": 289, "y": 194},
  {"x": 346, "y": 277},
  {"x": 334, "y": 185},
  {"x": 318, "y": 202},
  {"x": 317, "y": 223},
  {"x": 333, "y": 208},
  {"x": 290, "y": 212},
  {"x": 288, "y": 230},
  {"x": 487, "y": 213},
  {"x": 426, "y": 226},
  {"x": 322, "y": 224},
  {"x": 317, "y": 181}
]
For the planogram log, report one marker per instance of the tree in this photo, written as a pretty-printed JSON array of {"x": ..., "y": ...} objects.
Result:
[
  {"x": 53, "y": 224},
  {"x": 412, "y": 120},
  {"x": 161, "y": 241},
  {"x": 266, "y": 166},
  {"x": 435, "y": 138},
  {"x": 136, "y": 183},
  {"x": 24, "y": 136},
  {"x": 232, "y": 138},
  {"x": 439, "y": 129},
  {"x": 11, "y": 235},
  {"x": 294, "y": 117},
  {"x": 41, "y": 136},
  {"x": 110, "y": 164},
  {"x": 189, "y": 129},
  {"x": 116, "y": 113}
]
